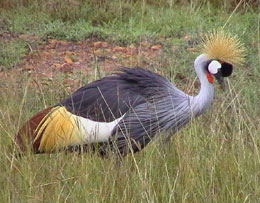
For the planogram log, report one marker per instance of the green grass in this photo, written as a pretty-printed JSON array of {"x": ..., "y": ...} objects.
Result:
[
  {"x": 214, "y": 159},
  {"x": 11, "y": 52}
]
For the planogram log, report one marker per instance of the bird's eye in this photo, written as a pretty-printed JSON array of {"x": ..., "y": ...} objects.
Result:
[{"x": 226, "y": 69}]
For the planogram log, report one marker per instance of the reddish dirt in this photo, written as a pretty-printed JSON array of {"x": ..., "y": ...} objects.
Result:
[{"x": 59, "y": 58}]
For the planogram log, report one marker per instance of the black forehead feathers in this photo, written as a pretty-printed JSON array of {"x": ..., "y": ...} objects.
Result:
[{"x": 226, "y": 69}]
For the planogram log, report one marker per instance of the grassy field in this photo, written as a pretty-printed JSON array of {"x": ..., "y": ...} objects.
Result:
[{"x": 216, "y": 158}]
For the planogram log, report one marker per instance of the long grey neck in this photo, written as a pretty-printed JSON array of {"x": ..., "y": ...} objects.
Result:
[{"x": 203, "y": 100}]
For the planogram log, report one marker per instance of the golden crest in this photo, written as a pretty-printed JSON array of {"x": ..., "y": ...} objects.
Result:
[{"x": 224, "y": 46}]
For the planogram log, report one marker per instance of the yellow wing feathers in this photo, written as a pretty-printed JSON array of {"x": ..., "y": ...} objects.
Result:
[
  {"x": 59, "y": 128},
  {"x": 224, "y": 46}
]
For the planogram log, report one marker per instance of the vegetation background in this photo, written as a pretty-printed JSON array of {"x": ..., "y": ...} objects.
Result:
[{"x": 214, "y": 159}]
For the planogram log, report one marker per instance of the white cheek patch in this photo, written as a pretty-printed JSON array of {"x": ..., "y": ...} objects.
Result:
[{"x": 214, "y": 66}]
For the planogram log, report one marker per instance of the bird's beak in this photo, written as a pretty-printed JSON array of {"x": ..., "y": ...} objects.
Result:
[{"x": 220, "y": 80}]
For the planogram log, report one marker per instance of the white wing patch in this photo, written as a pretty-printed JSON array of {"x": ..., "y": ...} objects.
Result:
[
  {"x": 214, "y": 66},
  {"x": 93, "y": 131}
]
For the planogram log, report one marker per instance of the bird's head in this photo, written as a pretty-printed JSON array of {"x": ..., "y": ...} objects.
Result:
[{"x": 221, "y": 51}]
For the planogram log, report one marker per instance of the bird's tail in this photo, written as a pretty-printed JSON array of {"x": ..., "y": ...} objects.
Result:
[{"x": 51, "y": 129}]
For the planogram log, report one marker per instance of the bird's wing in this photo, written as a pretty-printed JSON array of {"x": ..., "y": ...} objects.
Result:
[
  {"x": 103, "y": 100},
  {"x": 111, "y": 97}
]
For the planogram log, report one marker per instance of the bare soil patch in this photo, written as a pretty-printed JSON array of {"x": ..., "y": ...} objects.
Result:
[{"x": 72, "y": 60}]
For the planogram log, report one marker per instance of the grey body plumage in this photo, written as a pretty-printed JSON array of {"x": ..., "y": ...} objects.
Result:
[{"x": 150, "y": 103}]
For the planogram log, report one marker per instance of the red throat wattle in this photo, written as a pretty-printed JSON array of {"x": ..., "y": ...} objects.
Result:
[{"x": 209, "y": 77}]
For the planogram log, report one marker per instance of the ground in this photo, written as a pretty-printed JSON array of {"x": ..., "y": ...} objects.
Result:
[{"x": 70, "y": 59}]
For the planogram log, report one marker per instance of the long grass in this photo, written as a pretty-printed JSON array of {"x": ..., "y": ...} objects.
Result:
[{"x": 215, "y": 158}]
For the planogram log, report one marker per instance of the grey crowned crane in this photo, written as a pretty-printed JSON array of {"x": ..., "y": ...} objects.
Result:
[{"x": 125, "y": 111}]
